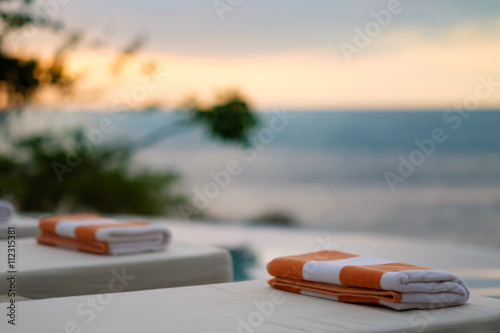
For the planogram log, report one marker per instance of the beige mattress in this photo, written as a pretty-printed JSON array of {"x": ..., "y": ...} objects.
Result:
[
  {"x": 240, "y": 307},
  {"x": 45, "y": 271},
  {"x": 25, "y": 227}
]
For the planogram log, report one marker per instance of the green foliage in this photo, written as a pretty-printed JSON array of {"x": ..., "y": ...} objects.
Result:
[
  {"x": 99, "y": 181},
  {"x": 17, "y": 14},
  {"x": 18, "y": 80},
  {"x": 231, "y": 119},
  {"x": 21, "y": 78},
  {"x": 16, "y": 20},
  {"x": 275, "y": 218}
]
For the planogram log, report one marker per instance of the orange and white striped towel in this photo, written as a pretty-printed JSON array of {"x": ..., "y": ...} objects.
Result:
[
  {"x": 352, "y": 278},
  {"x": 97, "y": 234}
]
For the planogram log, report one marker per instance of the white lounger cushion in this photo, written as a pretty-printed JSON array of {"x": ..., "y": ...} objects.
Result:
[
  {"x": 244, "y": 307},
  {"x": 46, "y": 271},
  {"x": 25, "y": 227}
]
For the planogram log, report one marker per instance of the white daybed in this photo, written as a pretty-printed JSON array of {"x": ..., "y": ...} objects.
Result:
[
  {"x": 46, "y": 271},
  {"x": 244, "y": 307}
]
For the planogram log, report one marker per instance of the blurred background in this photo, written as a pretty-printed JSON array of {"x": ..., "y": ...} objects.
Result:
[{"x": 374, "y": 116}]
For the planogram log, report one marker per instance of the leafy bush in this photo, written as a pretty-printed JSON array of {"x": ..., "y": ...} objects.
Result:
[{"x": 100, "y": 181}]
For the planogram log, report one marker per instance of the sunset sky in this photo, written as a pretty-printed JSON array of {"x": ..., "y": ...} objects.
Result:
[{"x": 430, "y": 54}]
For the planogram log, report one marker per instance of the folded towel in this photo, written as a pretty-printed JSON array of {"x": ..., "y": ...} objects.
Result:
[
  {"x": 6, "y": 211},
  {"x": 351, "y": 278},
  {"x": 97, "y": 234}
]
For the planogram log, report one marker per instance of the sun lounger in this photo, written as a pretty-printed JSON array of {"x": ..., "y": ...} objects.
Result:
[
  {"x": 46, "y": 271},
  {"x": 244, "y": 307},
  {"x": 25, "y": 227}
]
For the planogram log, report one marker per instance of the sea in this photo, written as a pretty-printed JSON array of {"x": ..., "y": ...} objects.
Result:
[{"x": 419, "y": 173}]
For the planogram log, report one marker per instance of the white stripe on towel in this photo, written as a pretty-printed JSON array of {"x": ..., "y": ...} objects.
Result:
[
  {"x": 329, "y": 271},
  {"x": 311, "y": 293},
  {"x": 67, "y": 228}
]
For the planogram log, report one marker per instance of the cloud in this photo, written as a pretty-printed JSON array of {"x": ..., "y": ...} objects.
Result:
[
  {"x": 257, "y": 27},
  {"x": 289, "y": 56}
]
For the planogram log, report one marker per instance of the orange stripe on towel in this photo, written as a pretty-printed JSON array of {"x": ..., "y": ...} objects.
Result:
[
  {"x": 345, "y": 294},
  {"x": 369, "y": 276},
  {"x": 52, "y": 239},
  {"x": 291, "y": 266},
  {"x": 49, "y": 223},
  {"x": 357, "y": 299}
]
